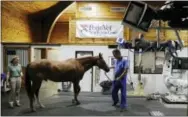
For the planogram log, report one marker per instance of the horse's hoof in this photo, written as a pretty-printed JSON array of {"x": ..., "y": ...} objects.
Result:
[
  {"x": 77, "y": 103},
  {"x": 73, "y": 101},
  {"x": 42, "y": 106}
]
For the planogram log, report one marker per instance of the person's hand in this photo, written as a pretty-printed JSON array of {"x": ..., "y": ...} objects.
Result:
[
  {"x": 21, "y": 74},
  {"x": 117, "y": 79},
  {"x": 111, "y": 67}
]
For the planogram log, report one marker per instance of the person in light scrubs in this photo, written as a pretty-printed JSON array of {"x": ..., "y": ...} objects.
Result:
[{"x": 14, "y": 75}]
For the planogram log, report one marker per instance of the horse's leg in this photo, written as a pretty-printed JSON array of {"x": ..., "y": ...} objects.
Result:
[
  {"x": 33, "y": 90},
  {"x": 32, "y": 98},
  {"x": 38, "y": 85},
  {"x": 76, "y": 92}
]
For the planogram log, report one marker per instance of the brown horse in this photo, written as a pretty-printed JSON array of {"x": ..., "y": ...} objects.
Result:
[{"x": 59, "y": 71}]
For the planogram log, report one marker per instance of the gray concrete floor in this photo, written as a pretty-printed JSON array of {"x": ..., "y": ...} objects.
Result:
[{"x": 92, "y": 104}]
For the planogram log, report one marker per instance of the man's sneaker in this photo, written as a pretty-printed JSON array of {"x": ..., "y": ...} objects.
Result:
[
  {"x": 114, "y": 104},
  {"x": 123, "y": 109},
  {"x": 11, "y": 104},
  {"x": 18, "y": 103}
]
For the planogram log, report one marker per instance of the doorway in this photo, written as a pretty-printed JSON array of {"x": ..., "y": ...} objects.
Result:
[
  {"x": 24, "y": 57},
  {"x": 86, "y": 83}
]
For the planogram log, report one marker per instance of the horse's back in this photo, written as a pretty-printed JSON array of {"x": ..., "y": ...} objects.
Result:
[
  {"x": 50, "y": 68},
  {"x": 44, "y": 63}
]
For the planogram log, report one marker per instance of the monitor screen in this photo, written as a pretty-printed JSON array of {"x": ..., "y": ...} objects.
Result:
[
  {"x": 180, "y": 63},
  {"x": 184, "y": 64},
  {"x": 138, "y": 15},
  {"x": 146, "y": 20},
  {"x": 134, "y": 13}
]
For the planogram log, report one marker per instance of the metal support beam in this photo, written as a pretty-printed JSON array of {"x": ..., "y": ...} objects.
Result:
[
  {"x": 133, "y": 36},
  {"x": 158, "y": 34},
  {"x": 167, "y": 28},
  {"x": 179, "y": 39}
]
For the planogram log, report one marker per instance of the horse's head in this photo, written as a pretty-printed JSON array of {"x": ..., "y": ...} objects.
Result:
[{"x": 102, "y": 64}]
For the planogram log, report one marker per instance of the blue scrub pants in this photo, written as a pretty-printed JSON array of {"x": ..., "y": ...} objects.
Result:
[{"x": 116, "y": 85}]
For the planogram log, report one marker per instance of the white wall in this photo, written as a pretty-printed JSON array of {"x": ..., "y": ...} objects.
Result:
[
  {"x": 68, "y": 51},
  {"x": 36, "y": 46},
  {"x": 153, "y": 82}
]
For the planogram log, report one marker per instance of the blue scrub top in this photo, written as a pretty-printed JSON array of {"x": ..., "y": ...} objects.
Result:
[{"x": 120, "y": 66}]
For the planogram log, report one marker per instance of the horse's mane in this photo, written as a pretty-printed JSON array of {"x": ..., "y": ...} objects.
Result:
[{"x": 83, "y": 60}]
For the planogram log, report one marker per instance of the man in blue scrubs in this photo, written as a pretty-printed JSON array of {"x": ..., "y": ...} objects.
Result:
[{"x": 121, "y": 68}]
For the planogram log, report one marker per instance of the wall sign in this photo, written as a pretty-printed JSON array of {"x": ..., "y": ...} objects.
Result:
[
  {"x": 118, "y": 9},
  {"x": 99, "y": 29},
  {"x": 85, "y": 8}
]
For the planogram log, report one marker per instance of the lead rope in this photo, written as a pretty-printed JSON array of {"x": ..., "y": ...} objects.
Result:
[{"x": 107, "y": 76}]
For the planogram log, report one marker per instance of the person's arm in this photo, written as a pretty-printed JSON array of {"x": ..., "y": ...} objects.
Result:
[
  {"x": 8, "y": 74},
  {"x": 123, "y": 74},
  {"x": 21, "y": 71}
]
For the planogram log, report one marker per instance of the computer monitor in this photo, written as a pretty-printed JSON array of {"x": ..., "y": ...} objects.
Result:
[
  {"x": 184, "y": 64},
  {"x": 138, "y": 16},
  {"x": 180, "y": 63}
]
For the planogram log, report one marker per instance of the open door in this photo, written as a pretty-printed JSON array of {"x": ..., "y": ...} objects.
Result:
[{"x": 86, "y": 83}]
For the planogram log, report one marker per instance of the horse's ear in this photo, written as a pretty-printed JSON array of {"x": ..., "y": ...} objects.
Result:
[{"x": 100, "y": 55}]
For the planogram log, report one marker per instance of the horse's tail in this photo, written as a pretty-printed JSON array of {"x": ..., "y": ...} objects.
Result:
[{"x": 28, "y": 81}]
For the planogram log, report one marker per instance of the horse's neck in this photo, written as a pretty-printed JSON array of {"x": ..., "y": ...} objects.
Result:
[
  {"x": 87, "y": 67},
  {"x": 88, "y": 62}
]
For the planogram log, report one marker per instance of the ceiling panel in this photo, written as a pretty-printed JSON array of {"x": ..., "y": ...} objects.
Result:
[{"x": 27, "y": 7}]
